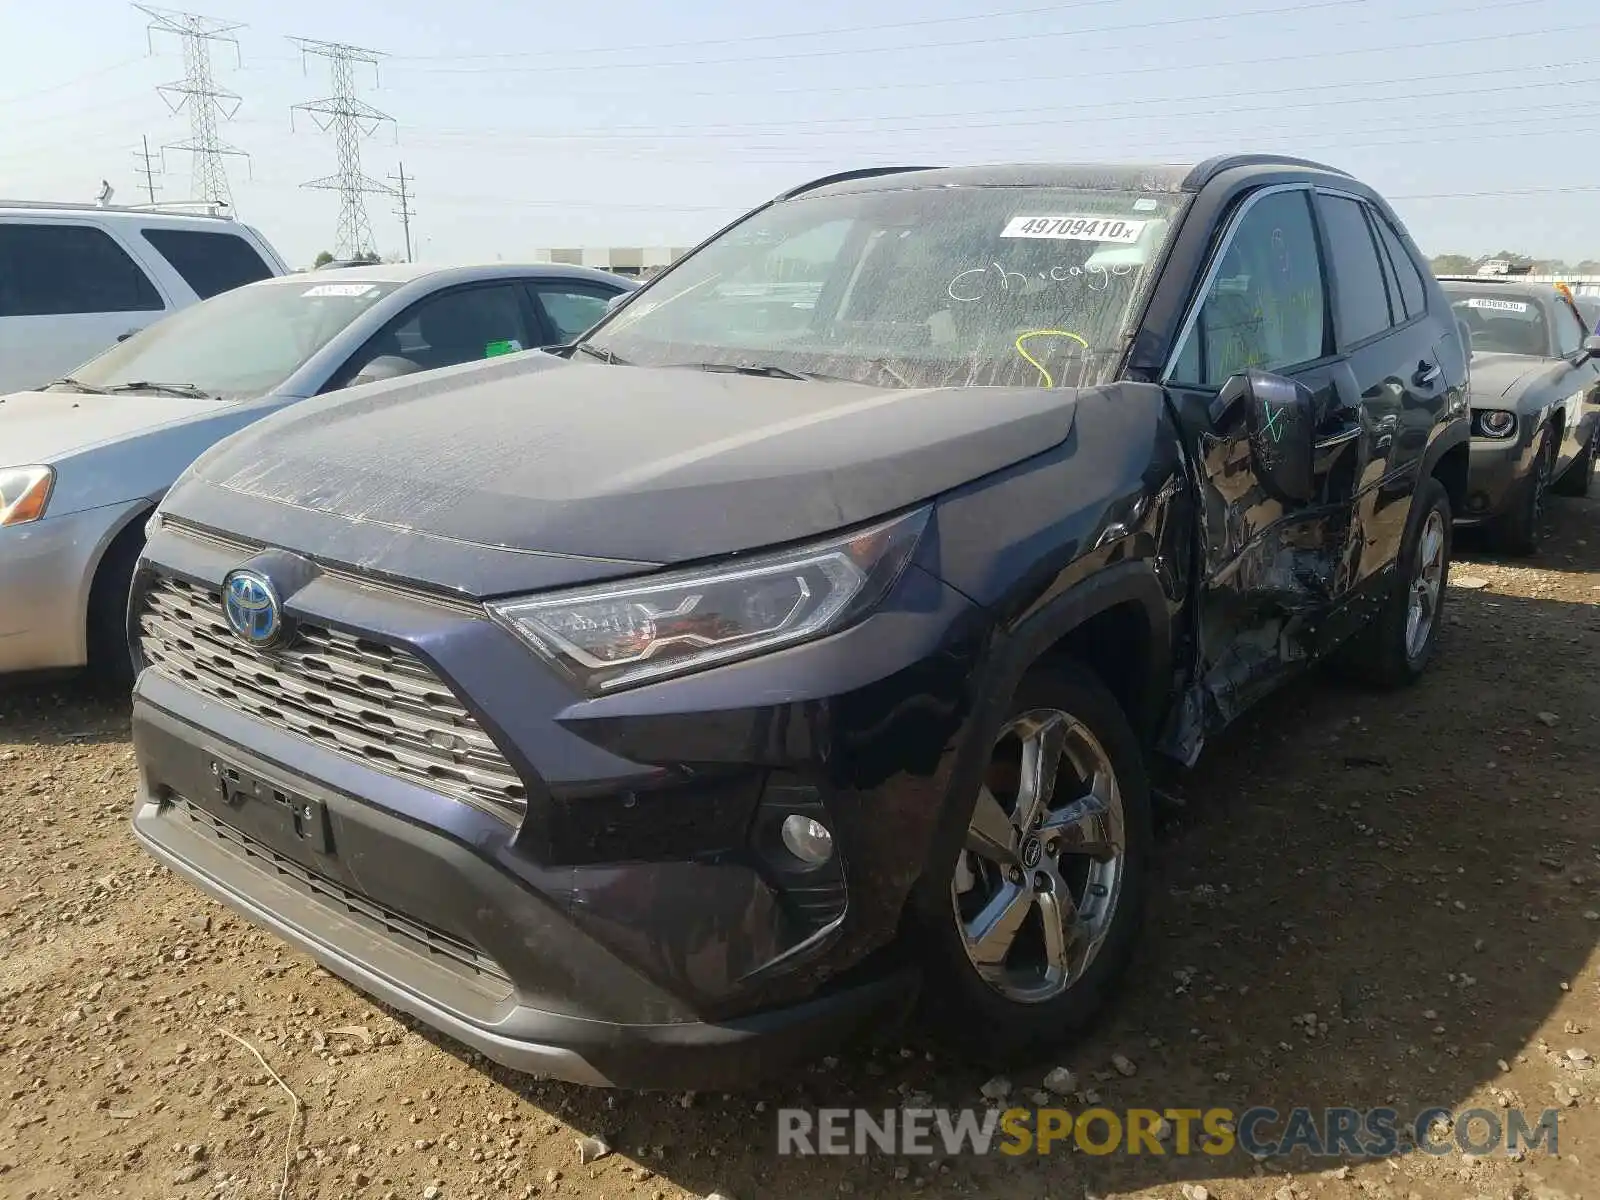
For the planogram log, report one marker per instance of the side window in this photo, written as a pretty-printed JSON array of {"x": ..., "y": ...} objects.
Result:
[
  {"x": 210, "y": 263},
  {"x": 1412, "y": 292},
  {"x": 1569, "y": 329},
  {"x": 459, "y": 326},
  {"x": 1266, "y": 307},
  {"x": 1363, "y": 300},
  {"x": 56, "y": 270},
  {"x": 570, "y": 308},
  {"x": 1391, "y": 283}
]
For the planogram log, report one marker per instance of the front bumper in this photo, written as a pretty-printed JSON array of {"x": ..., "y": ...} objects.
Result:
[
  {"x": 46, "y": 569},
  {"x": 435, "y": 975},
  {"x": 1496, "y": 471},
  {"x": 625, "y": 930}
]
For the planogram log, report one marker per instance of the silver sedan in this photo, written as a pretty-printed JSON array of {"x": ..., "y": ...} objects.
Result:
[{"x": 85, "y": 461}]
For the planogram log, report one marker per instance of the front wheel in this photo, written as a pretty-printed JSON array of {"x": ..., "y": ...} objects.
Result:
[
  {"x": 1027, "y": 926},
  {"x": 1520, "y": 530}
]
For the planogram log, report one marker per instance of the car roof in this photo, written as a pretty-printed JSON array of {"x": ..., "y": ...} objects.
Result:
[
  {"x": 1145, "y": 177},
  {"x": 445, "y": 274}
]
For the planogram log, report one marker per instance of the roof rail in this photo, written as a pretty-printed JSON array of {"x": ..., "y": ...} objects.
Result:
[
  {"x": 176, "y": 208},
  {"x": 846, "y": 176},
  {"x": 1203, "y": 173}
]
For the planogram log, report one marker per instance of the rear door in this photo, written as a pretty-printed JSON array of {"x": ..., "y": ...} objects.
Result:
[
  {"x": 68, "y": 290},
  {"x": 1270, "y": 571},
  {"x": 1398, "y": 388}
]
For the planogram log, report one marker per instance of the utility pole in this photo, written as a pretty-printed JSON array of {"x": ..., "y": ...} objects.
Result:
[
  {"x": 145, "y": 169},
  {"x": 199, "y": 93},
  {"x": 350, "y": 120},
  {"x": 404, "y": 212}
]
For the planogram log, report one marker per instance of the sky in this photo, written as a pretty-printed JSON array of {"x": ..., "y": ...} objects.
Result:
[{"x": 629, "y": 123}]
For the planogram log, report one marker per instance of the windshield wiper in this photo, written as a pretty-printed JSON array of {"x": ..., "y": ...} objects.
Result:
[
  {"x": 67, "y": 381},
  {"x": 604, "y": 356},
  {"x": 170, "y": 389},
  {"x": 768, "y": 370}
]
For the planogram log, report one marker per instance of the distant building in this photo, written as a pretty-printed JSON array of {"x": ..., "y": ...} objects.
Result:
[{"x": 636, "y": 262}]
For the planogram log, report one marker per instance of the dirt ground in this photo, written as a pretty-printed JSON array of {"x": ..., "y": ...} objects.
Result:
[{"x": 1420, "y": 871}]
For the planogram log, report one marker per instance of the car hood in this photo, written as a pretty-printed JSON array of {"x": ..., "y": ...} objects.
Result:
[
  {"x": 1496, "y": 375},
  {"x": 43, "y": 427},
  {"x": 557, "y": 473}
]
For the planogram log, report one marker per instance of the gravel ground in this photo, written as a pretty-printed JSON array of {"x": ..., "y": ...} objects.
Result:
[{"x": 1396, "y": 903}]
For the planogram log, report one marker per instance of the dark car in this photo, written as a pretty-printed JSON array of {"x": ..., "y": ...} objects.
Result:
[
  {"x": 663, "y": 715},
  {"x": 1535, "y": 398}
]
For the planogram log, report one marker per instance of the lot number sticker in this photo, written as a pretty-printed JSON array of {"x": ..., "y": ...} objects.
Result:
[
  {"x": 340, "y": 289},
  {"x": 1075, "y": 229},
  {"x": 1517, "y": 306}
]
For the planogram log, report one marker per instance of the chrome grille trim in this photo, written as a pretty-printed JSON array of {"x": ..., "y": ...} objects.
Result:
[
  {"x": 446, "y": 950},
  {"x": 370, "y": 702}
]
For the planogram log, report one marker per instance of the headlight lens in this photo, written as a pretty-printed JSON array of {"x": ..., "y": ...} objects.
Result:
[
  {"x": 1494, "y": 423},
  {"x": 24, "y": 492},
  {"x": 618, "y": 635}
]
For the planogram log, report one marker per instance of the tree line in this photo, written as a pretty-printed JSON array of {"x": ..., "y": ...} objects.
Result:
[{"x": 1467, "y": 264}]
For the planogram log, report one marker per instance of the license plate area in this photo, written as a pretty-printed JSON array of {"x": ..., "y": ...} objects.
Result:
[{"x": 275, "y": 815}]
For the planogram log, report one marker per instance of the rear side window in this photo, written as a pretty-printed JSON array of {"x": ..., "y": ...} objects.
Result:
[
  {"x": 1412, "y": 292},
  {"x": 210, "y": 263},
  {"x": 57, "y": 270},
  {"x": 1363, "y": 299}
]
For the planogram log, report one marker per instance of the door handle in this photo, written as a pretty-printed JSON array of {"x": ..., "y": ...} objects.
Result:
[
  {"x": 122, "y": 337},
  {"x": 1427, "y": 374}
]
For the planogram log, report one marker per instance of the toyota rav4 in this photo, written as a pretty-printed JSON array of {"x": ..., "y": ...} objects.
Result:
[{"x": 663, "y": 710}]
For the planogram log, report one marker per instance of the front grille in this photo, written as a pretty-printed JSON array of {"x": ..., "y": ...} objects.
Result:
[
  {"x": 370, "y": 702},
  {"x": 442, "y": 949}
]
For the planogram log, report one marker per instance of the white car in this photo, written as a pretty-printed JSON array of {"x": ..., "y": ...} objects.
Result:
[{"x": 76, "y": 279}]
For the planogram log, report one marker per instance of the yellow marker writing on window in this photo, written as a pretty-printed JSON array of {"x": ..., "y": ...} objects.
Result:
[{"x": 1049, "y": 379}]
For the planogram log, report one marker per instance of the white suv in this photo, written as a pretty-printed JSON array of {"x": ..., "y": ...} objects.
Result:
[{"x": 74, "y": 279}]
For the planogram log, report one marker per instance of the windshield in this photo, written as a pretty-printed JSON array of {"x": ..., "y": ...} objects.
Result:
[
  {"x": 926, "y": 287},
  {"x": 239, "y": 345},
  {"x": 1500, "y": 323}
]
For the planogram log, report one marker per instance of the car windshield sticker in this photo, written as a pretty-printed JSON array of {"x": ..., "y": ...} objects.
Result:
[
  {"x": 503, "y": 346},
  {"x": 1517, "y": 306},
  {"x": 1075, "y": 229},
  {"x": 340, "y": 289}
]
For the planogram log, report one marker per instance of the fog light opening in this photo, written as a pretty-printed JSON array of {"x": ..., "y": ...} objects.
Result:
[{"x": 807, "y": 839}]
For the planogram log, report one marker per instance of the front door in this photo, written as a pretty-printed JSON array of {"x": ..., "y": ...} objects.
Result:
[{"x": 1269, "y": 571}]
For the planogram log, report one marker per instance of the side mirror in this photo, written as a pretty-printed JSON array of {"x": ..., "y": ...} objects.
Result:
[
  {"x": 385, "y": 366},
  {"x": 1591, "y": 346},
  {"x": 1280, "y": 416},
  {"x": 616, "y": 300}
]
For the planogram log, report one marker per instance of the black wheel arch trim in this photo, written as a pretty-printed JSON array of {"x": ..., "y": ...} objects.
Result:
[{"x": 1022, "y": 646}]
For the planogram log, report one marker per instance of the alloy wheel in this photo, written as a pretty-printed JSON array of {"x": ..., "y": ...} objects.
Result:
[
  {"x": 1426, "y": 586},
  {"x": 1037, "y": 882}
]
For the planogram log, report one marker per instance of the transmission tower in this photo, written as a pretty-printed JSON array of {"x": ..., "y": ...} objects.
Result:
[
  {"x": 199, "y": 93},
  {"x": 350, "y": 120}
]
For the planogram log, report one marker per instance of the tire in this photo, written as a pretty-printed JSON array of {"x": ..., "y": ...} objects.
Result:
[
  {"x": 1520, "y": 530},
  {"x": 1579, "y": 475},
  {"x": 110, "y": 658},
  {"x": 1386, "y": 655},
  {"x": 1001, "y": 1021}
]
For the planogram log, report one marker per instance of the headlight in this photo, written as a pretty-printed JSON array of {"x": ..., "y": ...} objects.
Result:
[
  {"x": 617, "y": 635},
  {"x": 1494, "y": 423},
  {"x": 24, "y": 491}
]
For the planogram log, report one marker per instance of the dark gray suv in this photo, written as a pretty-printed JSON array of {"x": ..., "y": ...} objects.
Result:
[{"x": 664, "y": 711}]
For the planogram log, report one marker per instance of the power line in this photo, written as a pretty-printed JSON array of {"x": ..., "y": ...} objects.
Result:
[
  {"x": 199, "y": 93},
  {"x": 146, "y": 170},
  {"x": 404, "y": 212},
  {"x": 351, "y": 120},
  {"x": 1139, "y": 26}
]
